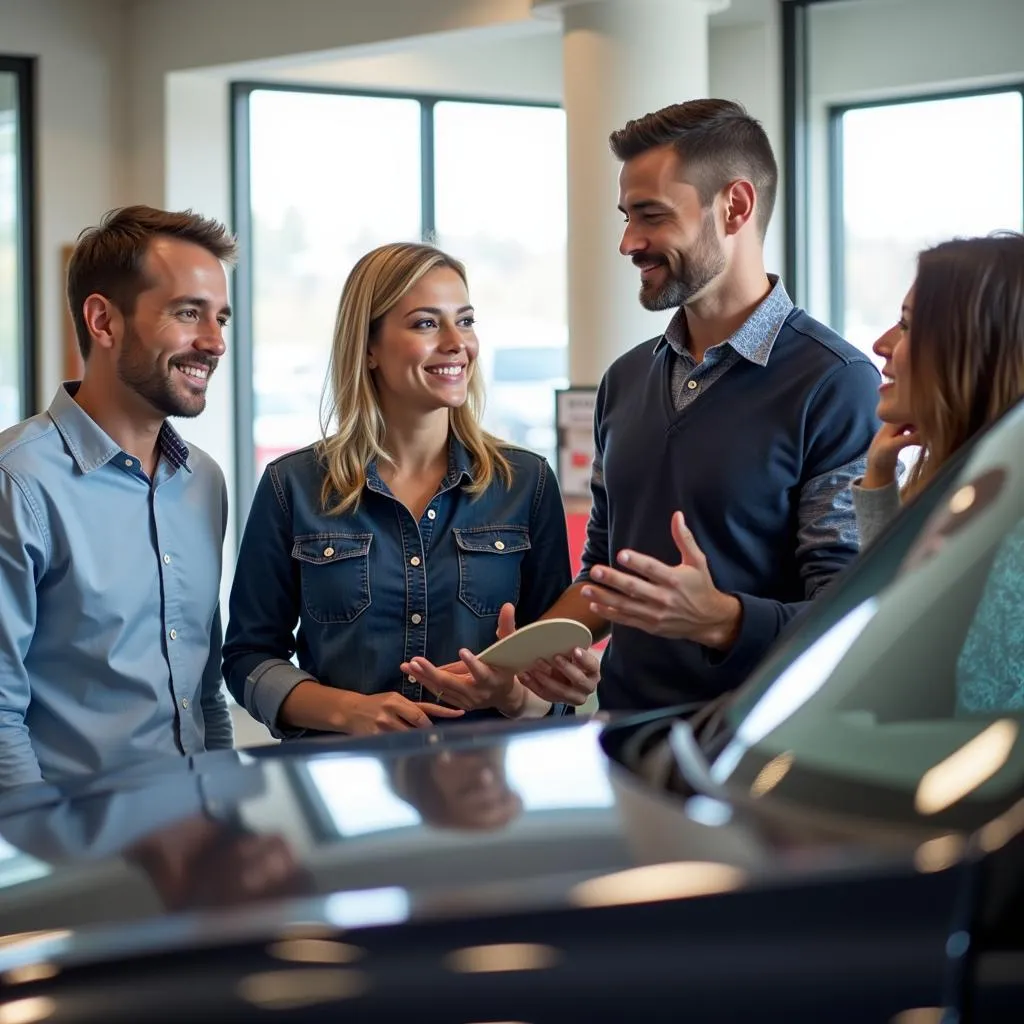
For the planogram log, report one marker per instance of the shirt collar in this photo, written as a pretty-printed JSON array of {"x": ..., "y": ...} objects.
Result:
[
  {"x": 755, "y": 338},
  {"x": 90, "y": 446},
  {"x": 460, "y": 466}
]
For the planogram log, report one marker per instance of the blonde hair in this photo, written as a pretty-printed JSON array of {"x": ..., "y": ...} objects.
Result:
[{"x": 352, "y": 423}]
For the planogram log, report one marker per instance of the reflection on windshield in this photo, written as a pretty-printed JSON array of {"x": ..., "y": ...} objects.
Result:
[
  {"x": 901, "y": 671},
  {"x": 463, "y": 787},
  {"x": 794, "y": 687},
  {"x": 17, "y": 867}
]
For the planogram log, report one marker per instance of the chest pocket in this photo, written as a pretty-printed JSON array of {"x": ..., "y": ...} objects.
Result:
[
  {"x": 490, "y": 558},
  {"x": 335, "y": 569}
]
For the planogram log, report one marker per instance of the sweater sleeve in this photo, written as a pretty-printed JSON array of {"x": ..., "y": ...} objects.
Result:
[{"x": 875, "y": 508}]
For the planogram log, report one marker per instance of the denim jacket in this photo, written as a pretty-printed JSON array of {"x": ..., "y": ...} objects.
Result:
[{"x": 372, "y": 588}]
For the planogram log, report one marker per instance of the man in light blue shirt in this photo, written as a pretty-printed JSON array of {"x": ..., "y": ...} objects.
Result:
[{"x": 111, "y": 527}]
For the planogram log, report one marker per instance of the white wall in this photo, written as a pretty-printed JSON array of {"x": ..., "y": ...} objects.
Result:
[
  {"x": 177, "y": 35},
  {"x": 481, "y": 63},
  {"x": 80, "y": 134},
  {"x": 879, "y": 49},
  {"x": 746, "y": 65}
]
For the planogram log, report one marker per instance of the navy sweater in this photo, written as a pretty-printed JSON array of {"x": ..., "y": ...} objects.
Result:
[{"x": 734, "y": 462}]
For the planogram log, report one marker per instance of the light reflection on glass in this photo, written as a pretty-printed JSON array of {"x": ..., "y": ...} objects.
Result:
[
  {"x": 17, "y": 867},
  {"x": 966, "y": 769},
  {"x": 705, "y": 810},
  {"x": 559, "y": 769},
  {"x": 654, "y": 882},
  {"x": 290, "y": 990},
  {"x": 358, "y": 795},
  {"x": 27, "y": 1011},
  {"x": 939, "y": 853},
  {"x": 772, "y": 774},
  {"x": 794, "y": 687},
  {"x": 315, "y": 951},
  {"x": 364, "y": 908},
  {"x": 1001, "y": 830},
  {"x": 30, "y": 972},
  {"x": 502, "y": 957}
]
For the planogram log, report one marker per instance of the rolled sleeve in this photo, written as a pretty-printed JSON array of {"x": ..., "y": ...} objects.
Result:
[
  {"x": 875, "y": 508},
  {"x": 266, "y": 688},
  {"x": 23, "y": 554}
]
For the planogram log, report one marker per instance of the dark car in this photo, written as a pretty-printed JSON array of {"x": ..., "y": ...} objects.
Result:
[{"x": 840, "y": 841}]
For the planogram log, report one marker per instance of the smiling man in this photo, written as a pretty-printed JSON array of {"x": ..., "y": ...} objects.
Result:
[
  {"x": 111, "y": 527},
  {"x": 725, "y": 448}
]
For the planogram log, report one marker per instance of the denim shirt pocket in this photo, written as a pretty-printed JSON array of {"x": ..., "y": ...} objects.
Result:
[
  {"x": 490, "y": 558},
  {"x": 335, "y": 569}
]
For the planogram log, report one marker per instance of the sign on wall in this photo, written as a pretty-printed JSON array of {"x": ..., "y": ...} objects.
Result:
[{"x": 574, "y": 417}]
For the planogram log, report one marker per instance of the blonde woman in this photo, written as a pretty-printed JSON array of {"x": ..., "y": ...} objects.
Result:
[{"x": 397, "y": 541}]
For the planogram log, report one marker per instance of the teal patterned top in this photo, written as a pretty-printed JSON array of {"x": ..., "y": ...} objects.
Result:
[{"x": 990, "y": 669}]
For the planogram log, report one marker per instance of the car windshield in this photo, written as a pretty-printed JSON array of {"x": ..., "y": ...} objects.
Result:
[{"x": 901, "y": 692}]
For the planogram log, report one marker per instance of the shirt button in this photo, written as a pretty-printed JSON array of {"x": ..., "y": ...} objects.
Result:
[
  {"x": 417, "y": 619},
  {"x": 415, "y": 560},
  {"x": 412, "y": 679},
  {"x": 691, "y": 385},
  {"x": 431, "y": 514},
  {"x": 167, "y": 559},
  {"x": 328, "y": 552},
  {"x": 173, "y": 634},
  {"x": 129, "y": 463},
  {"x": 500, "y": 545},
  {"x": 184, "y": 703}
]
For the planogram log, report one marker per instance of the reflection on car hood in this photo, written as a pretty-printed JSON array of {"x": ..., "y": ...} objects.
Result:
[{"x": 479, "y": 819}]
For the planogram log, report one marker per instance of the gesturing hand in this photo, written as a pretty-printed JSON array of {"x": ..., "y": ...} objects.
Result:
[
  {"x": 469, "y": 683},
  {"x": 388, "y": 712},
  {"x": 884, "y": 451},
  {"x": 677, "y": 601}
]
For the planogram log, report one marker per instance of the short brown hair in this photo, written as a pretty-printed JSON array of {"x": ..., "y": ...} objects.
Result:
[
  {"x": 718, "y": 142},
  {"x": 108, "y": 259}
]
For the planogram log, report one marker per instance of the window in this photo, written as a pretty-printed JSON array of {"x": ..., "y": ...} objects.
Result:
[
  {"x": 904, "y": 182},
  {"x": 323, "y": 176},
  {"x": 17, "y": 348},
  {"x": 501, "y": 206}
]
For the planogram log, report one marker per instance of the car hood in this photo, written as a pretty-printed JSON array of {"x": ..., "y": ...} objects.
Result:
[{"x": 476, "y": 820}]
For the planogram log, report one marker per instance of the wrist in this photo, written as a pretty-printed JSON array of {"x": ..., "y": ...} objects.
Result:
[
  {"x": 723, "y": 629},
  {"x": 513, "y": 704},
  {"x": 875, "y": 478},
  {"x": 339, "y": 709}
]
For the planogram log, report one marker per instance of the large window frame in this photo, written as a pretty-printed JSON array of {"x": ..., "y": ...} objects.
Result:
[
  {"x": 836, "y": 222},
  {"x": 241, "y": 204},
  {"x": 24, "y": 70}
]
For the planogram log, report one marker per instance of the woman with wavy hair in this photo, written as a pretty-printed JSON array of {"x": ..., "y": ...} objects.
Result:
[
  {"x": 954, "y": 363},
  {"x": 406, "y": 538}
]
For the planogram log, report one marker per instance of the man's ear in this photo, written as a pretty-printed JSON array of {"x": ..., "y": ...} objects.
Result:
[
  {"x": 103, "y": 320},
  {"x": 739, "y": 205}
]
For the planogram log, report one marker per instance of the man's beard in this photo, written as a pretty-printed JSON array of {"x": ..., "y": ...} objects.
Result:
[
  {"x": 699, "y": 268},
  {"x": 155, "y": 386}
]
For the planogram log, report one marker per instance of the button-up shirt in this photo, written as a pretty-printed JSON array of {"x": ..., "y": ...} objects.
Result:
[
  {"x": 109, "y": 581},
  {"x": 825, "y": 509},
  {"x": 375, "y": 587}
]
